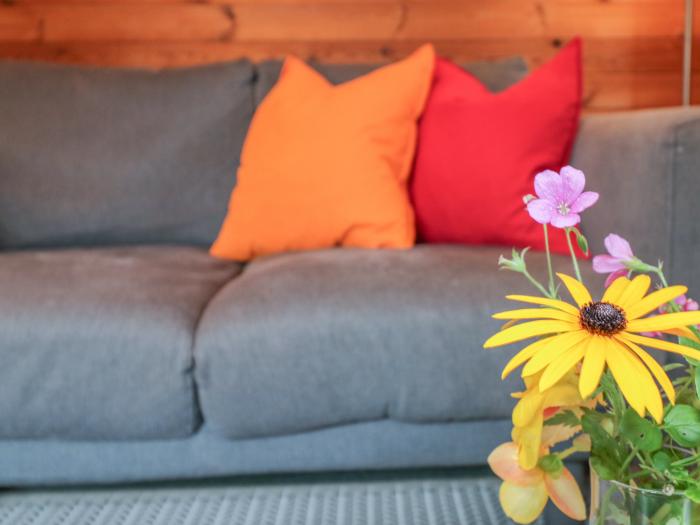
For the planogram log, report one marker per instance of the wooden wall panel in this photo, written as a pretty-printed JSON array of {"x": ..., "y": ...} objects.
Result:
[{"x": 633, "y": 48}]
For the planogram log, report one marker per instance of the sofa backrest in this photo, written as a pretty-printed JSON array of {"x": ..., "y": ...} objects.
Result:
[
  {"x": 110, "y": 156},
  {"x": 113, "y": 156}
]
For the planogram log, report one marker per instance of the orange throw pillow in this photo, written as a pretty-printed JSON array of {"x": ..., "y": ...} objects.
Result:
[{"x": 326, "y": 165}]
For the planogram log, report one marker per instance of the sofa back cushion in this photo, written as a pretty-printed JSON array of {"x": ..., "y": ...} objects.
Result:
[
  {"x": 110, "y": 156},
  {"x": 496, "y": 75}
]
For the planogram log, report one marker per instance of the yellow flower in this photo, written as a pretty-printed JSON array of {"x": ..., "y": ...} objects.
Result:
[
  {"x": 600, "y": 333},
  {"x": 524, "y": 493},
  {"x": 533, "y": 408}
]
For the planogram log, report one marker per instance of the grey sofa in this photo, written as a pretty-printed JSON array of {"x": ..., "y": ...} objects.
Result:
[{"x": 127, "y": 353}]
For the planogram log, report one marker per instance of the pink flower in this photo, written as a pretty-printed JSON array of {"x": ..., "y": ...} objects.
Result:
[
  {"x": 617, "y": 262},
  {"x": 560, "y": 197},
  {"x": 687, "y": 305}
]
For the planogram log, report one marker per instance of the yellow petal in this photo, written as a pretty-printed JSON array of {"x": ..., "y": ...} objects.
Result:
[
  {"x": 536, "y": 313},
  {"x": 554, "y": 303},
  {"x": 524, "y": 354},
  {"x": 624, "y": 375},
  {"x": 655, "y": 368},
  {"x": 556, "y": 345},
  {"x": 683, "y": 331},
  {"x": 566, "y": 495},
  {"x": 529, "y": 441},
  {"x": 634, "y": 291},
  {"x": 593, "y": 366},
  {"x": 664, "y": 322},
  {"x": 525, "y": 410},
  {"x": 652, "y": 396},
  {"x": 562, "y": 395},
  {"x": 654, "y": 300},
  {"x": 523, "y": 504},
  {"x": 660, "y": 344},
  {"x": 577, "y": 290},
  {"x": 561, "y": 365},
  {"x": 504, "y": 463},
  {"x": 528, "y": 330},
  {"x": 614, "y": 291}
]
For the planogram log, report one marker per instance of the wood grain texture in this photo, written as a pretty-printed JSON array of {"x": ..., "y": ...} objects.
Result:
[{"x": 632, "y": 48}]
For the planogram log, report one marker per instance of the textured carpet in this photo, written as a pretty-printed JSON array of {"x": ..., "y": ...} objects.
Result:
[{"x": 427, "y": 502}]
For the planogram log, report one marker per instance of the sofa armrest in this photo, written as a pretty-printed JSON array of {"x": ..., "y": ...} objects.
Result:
[{"x": 646, "y": 167}]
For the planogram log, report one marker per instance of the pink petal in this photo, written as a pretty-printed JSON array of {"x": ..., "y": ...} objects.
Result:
[
  {"x": 565, "y": 221},
  {"x": 691, "y": 305},
  {"x": 566, "y": 495},
  {"x": 548, "y": 185},
  {"x": 618, "y": 247},
  {"x": 607, "y": 264},
  {"x": 504, "y": 463},
  {"x": 613, "y": 276},
  {"x": 523, "y": 504},
  {"x": 541, "y": 210},
  {"x": 585, "y": 200},
  {"x": 573, "y": 183}
]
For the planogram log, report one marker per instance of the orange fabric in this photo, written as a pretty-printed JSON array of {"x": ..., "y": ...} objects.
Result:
[{"x": 326, "y": 165}]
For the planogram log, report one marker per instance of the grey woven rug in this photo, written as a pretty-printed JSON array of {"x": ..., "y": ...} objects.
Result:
[{"x": 446, "y": 502}]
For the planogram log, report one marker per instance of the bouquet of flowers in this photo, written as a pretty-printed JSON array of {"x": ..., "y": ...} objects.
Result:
[{"x": 589, "y": 380}]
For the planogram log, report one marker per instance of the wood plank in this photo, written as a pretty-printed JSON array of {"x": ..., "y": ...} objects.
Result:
[
  {"x": 504, "y": 19},
  {"x": 341, "y": 22},
  {"x": 607, "y": 91},
  {"x": 613, "y": 55},
  {"x": 135, "y": 22},
  {"x": 508, "y": 19},
  {"x": 19, "y": 24}
]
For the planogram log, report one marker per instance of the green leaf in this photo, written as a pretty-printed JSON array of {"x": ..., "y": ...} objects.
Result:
[
  {"x": 697, "y": 382},
  {"x": 581, "y": 240},
  {"x": 603, "y": 470},
  {"x": 563, "y": 417},
  {"x": 612, "y": 393},
  {"x": 603, "y": 445},
  {"x": 682, "y": 423},
  {"x": 693, "y": 493},
  {"x": 661, "y": 460},
  {"x": 642, "y": 433},
  {"x": 551, "y": 464}
]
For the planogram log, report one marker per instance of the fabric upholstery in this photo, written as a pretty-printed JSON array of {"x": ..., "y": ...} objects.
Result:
[
  {"x": 327, "y": 165},
  {"x": 645, "y": 164},
  {"x": 109, "y": 156},
  {"x": 309, "y": 340},
  {"x": 97, "y": 344},
  {"x": 363, "y": 446},
  {"x": 496, "y": 75}
]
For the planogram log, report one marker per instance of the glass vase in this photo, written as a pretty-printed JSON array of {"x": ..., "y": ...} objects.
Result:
[{"x": 615, "y": 503}]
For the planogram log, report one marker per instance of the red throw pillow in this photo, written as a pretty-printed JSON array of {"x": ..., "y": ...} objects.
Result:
[{"x": 478, "y": 152}]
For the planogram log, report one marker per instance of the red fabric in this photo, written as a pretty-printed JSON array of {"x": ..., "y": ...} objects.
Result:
[{"x": 478, "y": 152}]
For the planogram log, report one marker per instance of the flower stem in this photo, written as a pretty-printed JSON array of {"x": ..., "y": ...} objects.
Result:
[
  {"x": 552, "y": 291},
  {"x": 574, "y": 260},
  {"x": 535, "y": 283}
]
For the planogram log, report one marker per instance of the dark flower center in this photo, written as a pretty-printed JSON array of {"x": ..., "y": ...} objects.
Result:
[{"x": 602, "y": 318}]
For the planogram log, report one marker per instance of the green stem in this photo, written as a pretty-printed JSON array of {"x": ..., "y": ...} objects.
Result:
[
  {"x": 536, "y": 283},
  {"x": 574, "y": 261},
  {"x": 627, "y": 462},
  {"x": 550, "y": 272}
]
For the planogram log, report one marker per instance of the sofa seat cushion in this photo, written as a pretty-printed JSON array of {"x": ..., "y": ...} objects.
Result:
[
  {"x": 97, "y": 344},
  {"x": 310, "y": 340}
]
